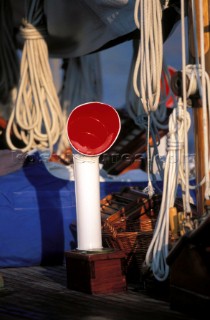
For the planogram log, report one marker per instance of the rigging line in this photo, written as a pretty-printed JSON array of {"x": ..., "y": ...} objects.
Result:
[
  {"x": 148, "y": 65},
  {"x": 179, "y": 122},
  {"x": 149, "y": 189},
  {"x": 175, "y": 172},
  {"x": 158, "y": 249},
  {"x": 186, "y": 164},
  {"x": 155, "y": 156},
  {"x": 134, "y": 105}
]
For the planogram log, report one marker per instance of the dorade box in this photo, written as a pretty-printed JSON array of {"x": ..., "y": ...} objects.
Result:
[{"x": 96, "y": 272}]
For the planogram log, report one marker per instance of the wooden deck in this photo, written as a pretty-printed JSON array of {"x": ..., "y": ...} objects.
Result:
[{"x": 41, "y": 293}]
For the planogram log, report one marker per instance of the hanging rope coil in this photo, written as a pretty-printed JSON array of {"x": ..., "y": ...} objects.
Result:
[
  {"x": 134, "y": 105},
  {"x": 149, "y": 74},
  {"x": 148, "y": 66},
  {"x": 36, "y": 119},
  {"x": 177, "y": 171},
  {"x": 174, "y": 167}
]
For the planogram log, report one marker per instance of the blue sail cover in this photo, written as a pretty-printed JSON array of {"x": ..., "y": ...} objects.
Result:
[{"x": 37, "y": 215}]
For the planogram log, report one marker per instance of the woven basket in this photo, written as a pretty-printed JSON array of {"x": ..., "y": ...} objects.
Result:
[{"x": 128, "y": 222}]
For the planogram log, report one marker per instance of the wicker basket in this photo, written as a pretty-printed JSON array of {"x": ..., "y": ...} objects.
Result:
[{"x": 129, "y": 227}]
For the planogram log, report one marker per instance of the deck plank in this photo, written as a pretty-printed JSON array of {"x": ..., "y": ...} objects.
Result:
[{"x": 40, "y": 293}]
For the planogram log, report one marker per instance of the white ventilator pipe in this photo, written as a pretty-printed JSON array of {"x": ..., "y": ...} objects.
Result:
[
  {"x": 87, "y": 189},
  {"x": 92, "y": 129}
]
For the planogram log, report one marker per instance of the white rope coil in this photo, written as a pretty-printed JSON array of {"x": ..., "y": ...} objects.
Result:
[
  {"x": 148, "y": 68},
  {"x": 174, "y": 166},
  {"x": 134, "y": 105},
  {"x": 36, "y": 119},
  {"x": 177, "y": 171}
]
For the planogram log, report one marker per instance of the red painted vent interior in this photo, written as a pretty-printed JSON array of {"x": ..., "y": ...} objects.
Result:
[{"x": 93, "y": 127}]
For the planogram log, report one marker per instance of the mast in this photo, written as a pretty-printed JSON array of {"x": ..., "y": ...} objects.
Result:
[{"x": 196, "y": 101}]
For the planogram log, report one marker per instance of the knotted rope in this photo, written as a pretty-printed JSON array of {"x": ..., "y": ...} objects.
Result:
[
  {"x": 174, "y": 169},
  {"x": 148, "y": 65},
  {"x": 37, "y": 117}
]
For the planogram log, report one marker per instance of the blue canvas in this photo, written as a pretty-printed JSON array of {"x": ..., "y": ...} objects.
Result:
[{"x": 37, "y": 211}]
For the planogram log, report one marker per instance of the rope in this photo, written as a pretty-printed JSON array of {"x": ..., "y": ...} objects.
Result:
[
  {"x": 37, "y": 116},
  {"x": 149, "y": 189},
  {"x": 134, "y": 105},
  {"x": 194, "y": 74},
  {"x": 148, "y": 66},
  {"x": 147, "y": 71},
  {"x": 176, "y": 167},
  {"x": 157, "y": 118},
  {"x": 158, "y": 249},
  {"x": 184, "y": 86},
  {"x": 165, "y": 4}
]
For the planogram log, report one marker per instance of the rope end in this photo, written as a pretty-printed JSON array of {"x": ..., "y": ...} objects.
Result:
[{"x": 149, "y": 189}]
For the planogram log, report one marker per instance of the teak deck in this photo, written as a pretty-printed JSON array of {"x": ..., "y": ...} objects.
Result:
[{"x": 41, "y": 293}]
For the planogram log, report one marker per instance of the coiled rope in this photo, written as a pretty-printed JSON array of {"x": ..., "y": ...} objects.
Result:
[
  {"x": 148, "y": 66},
  {"x": 134, "y": 105},
  {"x": 36, "y": 119},
  {"x": 174, "y": 168}
]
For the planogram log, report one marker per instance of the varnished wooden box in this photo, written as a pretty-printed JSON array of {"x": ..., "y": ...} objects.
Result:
[{"x": 96, "y": 272}]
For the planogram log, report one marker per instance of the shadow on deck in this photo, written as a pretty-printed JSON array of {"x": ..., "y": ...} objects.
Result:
[{"x": 41, "y": 293}]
